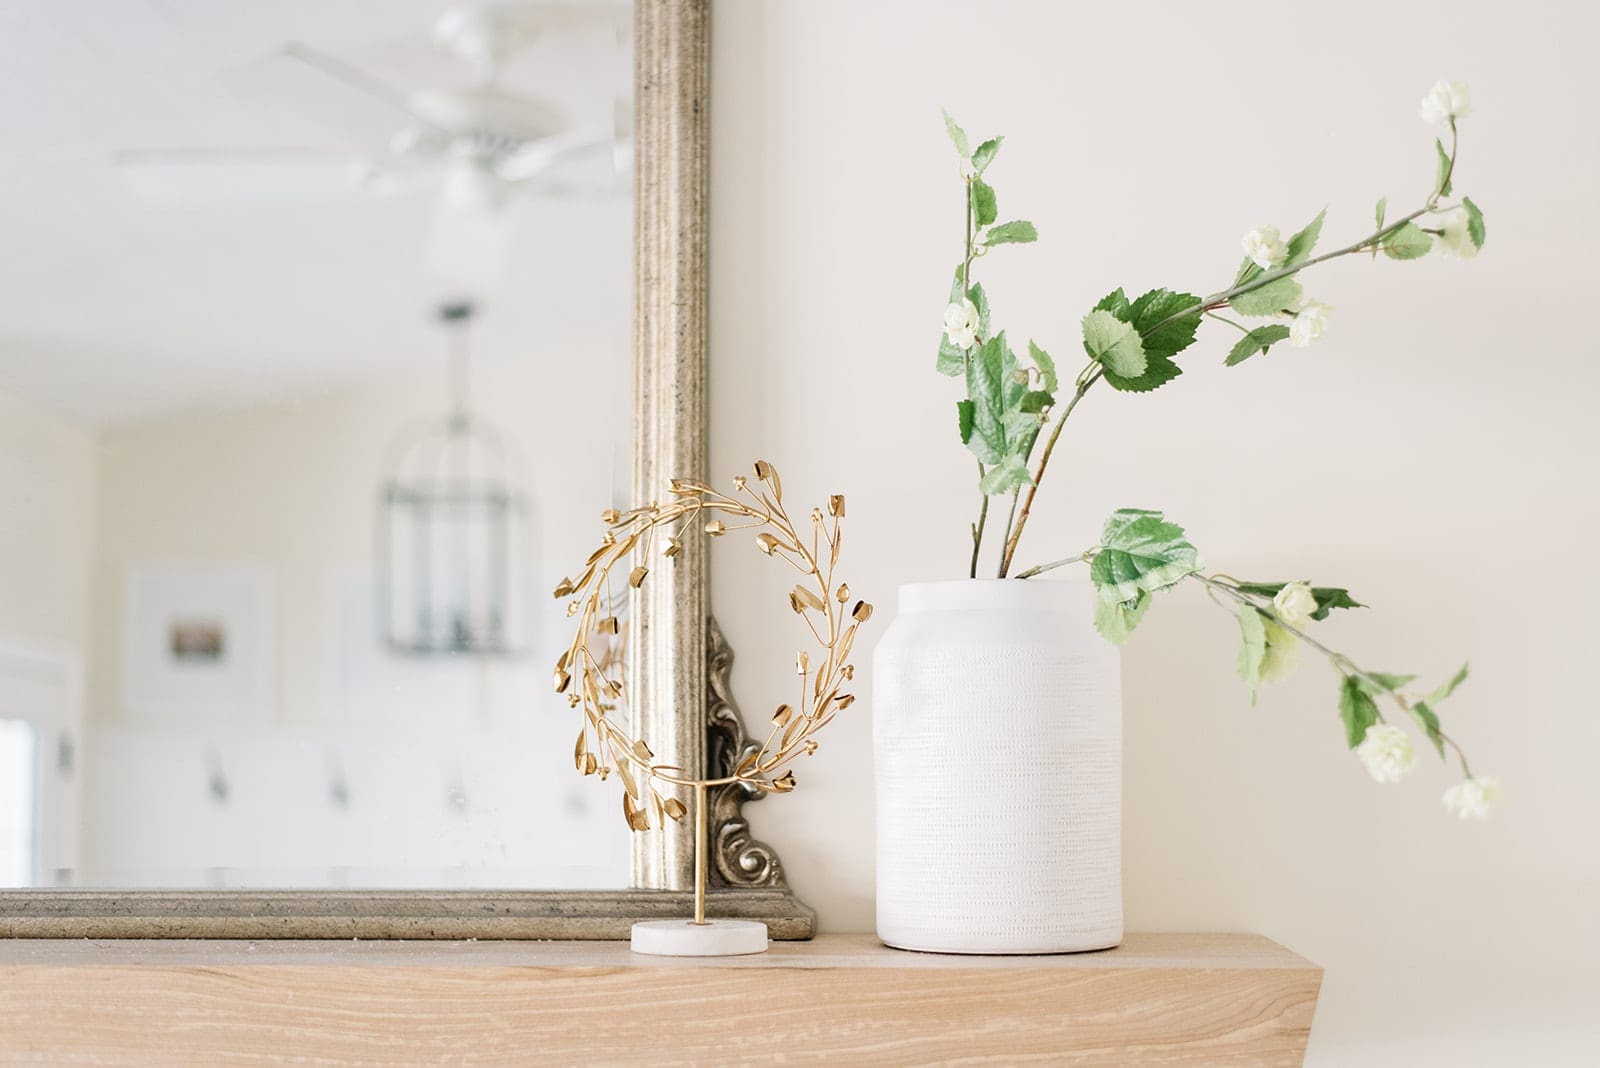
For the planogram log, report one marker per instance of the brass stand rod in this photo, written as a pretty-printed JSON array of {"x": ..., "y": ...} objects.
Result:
[{"x": 700, "y": 854}]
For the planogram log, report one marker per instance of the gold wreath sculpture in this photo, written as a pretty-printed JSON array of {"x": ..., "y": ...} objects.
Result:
[{"x": 588, "y": 673}]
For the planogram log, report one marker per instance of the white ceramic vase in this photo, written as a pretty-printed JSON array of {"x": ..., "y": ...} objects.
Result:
[{"x": 997, "y": 733}]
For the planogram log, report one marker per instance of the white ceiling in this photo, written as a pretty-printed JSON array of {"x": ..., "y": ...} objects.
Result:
[{"x": 113, "y": 310}]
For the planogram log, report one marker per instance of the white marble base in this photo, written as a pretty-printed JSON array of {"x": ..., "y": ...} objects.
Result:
[{"x": 714, "y": 938}]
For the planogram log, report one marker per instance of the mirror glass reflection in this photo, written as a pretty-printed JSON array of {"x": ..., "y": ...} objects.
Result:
[{"x": 316, "y": 354}]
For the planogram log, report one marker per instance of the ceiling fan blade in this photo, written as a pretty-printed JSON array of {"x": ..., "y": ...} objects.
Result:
[
  {"x": 226, "y": 176},
  {"x": 317, "y": 86},
  {"x": 585, "y": 151}
]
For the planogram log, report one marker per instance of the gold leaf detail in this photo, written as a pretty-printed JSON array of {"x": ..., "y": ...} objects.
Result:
[
  {"x": 642, "y": 751},
  {"x": 836, "y": 505},
  {"x": 608, "y": 625},
  {"x": 842, "y": 594},
  {"x": 674, "y": 808},
  {"x": 808, "y": 598},
  {"x": 716, "y": 528},
  {"x": 861, "y": 612},
  {"x": 782, "y": 715},
  {"x": 564, "y": 589},
  {"x": 629, "y": 783},
  {"x": 638, "y": 819},
  {"x": 802, "y": 663},
  {"x": 562, "y": 681},
  {"x": 636, "y": 576},
  {"x": 671, "y": 548},
  {"x": 609, "y": 516},
  {"x": 766, "y": 542},
  {"x": 784, "y": 783}
]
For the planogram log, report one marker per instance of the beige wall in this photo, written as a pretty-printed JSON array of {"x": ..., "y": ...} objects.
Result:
[
  {"x": 47, "y": 484},
  {"x": 1434, "y": 452}
]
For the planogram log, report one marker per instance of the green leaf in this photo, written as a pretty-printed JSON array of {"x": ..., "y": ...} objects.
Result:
[
  {"x": 1331, "y": 597},
  {"x": 1047, "y": 366},
  {"x": 985, "y": 154},
  {"x": 1301, "y": 244},
  {"x": 1252, "y": 648},
  {"x": 1429, "y": 722},
  {"x": 1114, "y": 344},
  {"x": 1115, "y": 302},
  {"x": 958, "y": 136},
  {"x": 1407, "y": 243},
  {"x": 1037, "y": 400},
  {"x": 983, "y": 202},
  {"x": 1474, "y": 222},
  {"x": 1357, "y": 710},
  {"x": 1381, "y": 210},
  {"x": 994, "y": 392},
  {"x": 1140, "y": 550},
  {"x": 952, "y": 361},
  {"x": 1019, "y": 232},
  {"x": 1450, "y": 687},
  {"x": 1157, "y": 373},
  {"x": 1005, "y": 476},
  {"x": 1270, "y": 299},
  {"x": 1262, "y": 589},
  {"x": 1149, "y": 313},
  {"x": 1115, "y": 621},
  {"x": 1378, "y": 682},
  {"x": 1282, "y": 651},
  {"x": 964, "y": 409},
  {"x": 1161, "y": 345},
  {"x": 1441, "y": 175},
  {"x": 980, "y": 300},
  {"x": 1260, "y": 339}
]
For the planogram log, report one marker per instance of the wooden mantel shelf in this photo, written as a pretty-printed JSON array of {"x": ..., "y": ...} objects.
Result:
[{"x": 1171, "y": 999}]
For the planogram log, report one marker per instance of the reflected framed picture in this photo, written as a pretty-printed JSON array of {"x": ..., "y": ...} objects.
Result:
[{"x": 197, "y": 642}]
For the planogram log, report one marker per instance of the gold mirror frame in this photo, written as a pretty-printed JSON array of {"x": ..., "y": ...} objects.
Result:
[{"x": 681, "y": 694}]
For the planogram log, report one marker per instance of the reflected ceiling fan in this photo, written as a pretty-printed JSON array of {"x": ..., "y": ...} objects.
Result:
[{"x": 479, "y": 146}]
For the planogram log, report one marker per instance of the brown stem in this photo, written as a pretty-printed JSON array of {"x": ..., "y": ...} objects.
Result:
[{"x": 1038, "y": 474}]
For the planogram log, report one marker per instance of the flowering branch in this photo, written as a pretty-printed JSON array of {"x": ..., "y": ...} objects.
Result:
[{"x": 1132, "y": 344}]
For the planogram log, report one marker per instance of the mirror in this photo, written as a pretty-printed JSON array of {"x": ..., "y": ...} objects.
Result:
[{"x": 317, "y": 362}]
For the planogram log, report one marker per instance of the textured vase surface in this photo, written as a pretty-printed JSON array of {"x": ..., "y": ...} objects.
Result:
[{"x": 997, "y": 736}]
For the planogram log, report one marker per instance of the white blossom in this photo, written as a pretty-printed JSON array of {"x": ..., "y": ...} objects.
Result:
[
  {"x": 1472, "y": 799},
  {"x": 1387, "y": 753},
  {"x": 1295, "y": 603},
  {"x": 961, "y": 324},
  {"x": 1454, "y": 237},
  {"x": 1445, "y": 102},
  {"x": 1309, "y": 323},
  {"x": 1264, "y": 247}
]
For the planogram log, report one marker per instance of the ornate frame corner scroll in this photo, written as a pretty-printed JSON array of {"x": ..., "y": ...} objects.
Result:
[{"x": 680, "y": 664}]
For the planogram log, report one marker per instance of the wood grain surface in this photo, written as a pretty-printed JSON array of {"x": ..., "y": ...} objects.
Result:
[{"x": 1223, "y": 999}]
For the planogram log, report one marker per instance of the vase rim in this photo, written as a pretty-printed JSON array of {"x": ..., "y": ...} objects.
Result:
[{"x": 953, "y": 594}]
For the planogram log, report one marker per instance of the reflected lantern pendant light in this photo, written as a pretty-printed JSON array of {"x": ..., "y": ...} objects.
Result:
[{"x": 452, "y": 529}]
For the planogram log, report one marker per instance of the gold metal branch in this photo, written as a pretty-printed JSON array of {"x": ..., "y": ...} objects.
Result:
[{"x": 588, "y": 672}]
